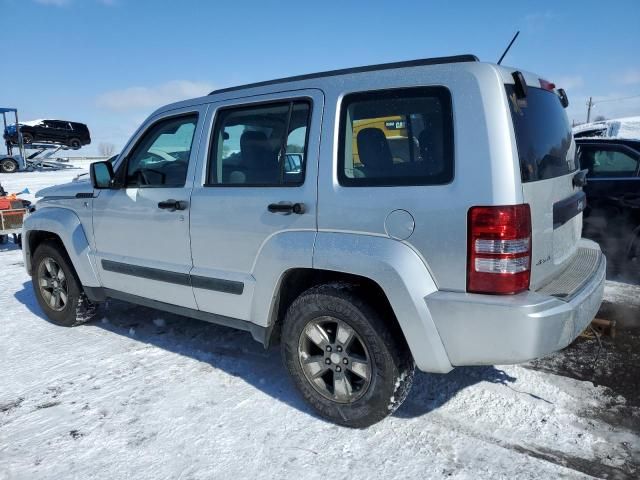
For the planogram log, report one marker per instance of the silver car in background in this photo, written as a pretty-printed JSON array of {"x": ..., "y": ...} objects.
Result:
[{"x": 370, "y": 220}]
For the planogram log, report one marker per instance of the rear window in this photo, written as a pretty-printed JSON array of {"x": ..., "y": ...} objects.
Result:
[{"x": 543, "y": 134}]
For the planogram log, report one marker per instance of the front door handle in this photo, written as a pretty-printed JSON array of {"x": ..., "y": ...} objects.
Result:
[
  {"x": 287, "y": 208},
  {"x": 173, "y": 205}
]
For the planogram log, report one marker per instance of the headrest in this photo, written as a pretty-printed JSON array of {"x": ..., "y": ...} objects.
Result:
[{"x": 373, "y": 149}]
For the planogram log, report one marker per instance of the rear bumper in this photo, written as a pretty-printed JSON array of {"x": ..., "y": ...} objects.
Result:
[{"x": 491, "y": 329}]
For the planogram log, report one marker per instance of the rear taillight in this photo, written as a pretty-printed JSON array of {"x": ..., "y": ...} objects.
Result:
[
  {"x": 499, "y": 249},
  {"x": 546, "y": 84}
]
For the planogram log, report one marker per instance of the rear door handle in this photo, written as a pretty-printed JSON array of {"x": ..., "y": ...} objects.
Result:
[
  {"x": 287, "y": 208},
  {"x": 173, "y": 205}
]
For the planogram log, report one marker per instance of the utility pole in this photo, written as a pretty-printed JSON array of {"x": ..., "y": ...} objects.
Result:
[{"x": 589, "y": 105}]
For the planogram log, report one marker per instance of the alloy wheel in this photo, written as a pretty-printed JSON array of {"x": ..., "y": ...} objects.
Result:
[
  {"x": 53, "y": 284},
  {"x": 334, "y": 359}
]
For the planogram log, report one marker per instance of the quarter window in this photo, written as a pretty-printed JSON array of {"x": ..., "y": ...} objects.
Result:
[
  {"x": 161, "y": 157},
  {"x": 396, "y": 137},
  {"x": 607, "y": 162},
  {"x": 261, "y": 145}
]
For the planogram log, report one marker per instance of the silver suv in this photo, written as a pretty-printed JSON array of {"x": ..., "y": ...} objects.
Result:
[{"x": 370, "y": 220}]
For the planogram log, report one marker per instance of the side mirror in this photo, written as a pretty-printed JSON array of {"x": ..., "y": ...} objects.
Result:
[{"x": 101, "y": 174}]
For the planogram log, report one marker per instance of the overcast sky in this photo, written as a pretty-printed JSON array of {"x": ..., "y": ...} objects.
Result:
[{"x": 109, "y": 63}]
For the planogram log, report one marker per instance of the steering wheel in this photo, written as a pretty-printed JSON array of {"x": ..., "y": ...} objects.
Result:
[{"x": 142, "y": 175}]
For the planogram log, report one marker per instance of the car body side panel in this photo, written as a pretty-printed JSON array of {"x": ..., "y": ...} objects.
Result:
[
  {"x": 404, "y": 278},
  {"x": 131, "y": 230},
  {"x": 278, "y": 254},
  {"x": 485, "y": 171},
  {"x": 66, "y": 224},
  {"x": 235, "y": 238}
]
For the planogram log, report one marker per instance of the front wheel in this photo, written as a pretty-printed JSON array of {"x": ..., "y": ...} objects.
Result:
[
  {"x": 348, "y": 361},
  {"x": 56, "y": 287},
  {"x": 75, "y": 143}
]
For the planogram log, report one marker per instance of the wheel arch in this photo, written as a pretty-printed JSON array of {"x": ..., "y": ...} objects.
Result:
[
  {"x": 295, "y": 281},
  {"x": 394, "y": 274},
  {"x": 64, "y": 226}
]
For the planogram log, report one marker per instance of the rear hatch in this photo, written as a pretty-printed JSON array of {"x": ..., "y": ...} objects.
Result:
[{"x": 546, "y": 152}]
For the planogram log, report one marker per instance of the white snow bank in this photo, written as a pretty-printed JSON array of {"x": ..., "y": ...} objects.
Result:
[
  {"x": 628, "y": 127},
  {"x": 39, "y": 179},
  {"x": 622, "y": 294}
]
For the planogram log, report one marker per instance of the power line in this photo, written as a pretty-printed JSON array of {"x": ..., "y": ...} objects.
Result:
[{"x": 616, "y": 99}]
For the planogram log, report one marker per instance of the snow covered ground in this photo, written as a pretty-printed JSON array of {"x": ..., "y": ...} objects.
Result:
[
  {"x": 148, "y": 395},
  {"x": 627, "y": 127}
]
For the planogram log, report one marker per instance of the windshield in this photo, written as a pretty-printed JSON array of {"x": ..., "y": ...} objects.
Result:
[{"x": 543, "y": 134}]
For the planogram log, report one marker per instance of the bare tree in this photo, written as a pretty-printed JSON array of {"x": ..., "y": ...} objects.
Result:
[{"x": 106, "y": 149}]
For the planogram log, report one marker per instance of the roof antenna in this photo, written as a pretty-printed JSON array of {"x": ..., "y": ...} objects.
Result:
[{"x": 509, "y": 46}]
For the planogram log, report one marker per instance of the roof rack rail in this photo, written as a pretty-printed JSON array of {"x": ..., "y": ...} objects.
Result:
[{"x": 346, "y": 71}]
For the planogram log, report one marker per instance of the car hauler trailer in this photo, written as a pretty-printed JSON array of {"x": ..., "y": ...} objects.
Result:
[
  {"x": 39, "y": 156},
  {"x": 10, "y": 163}
]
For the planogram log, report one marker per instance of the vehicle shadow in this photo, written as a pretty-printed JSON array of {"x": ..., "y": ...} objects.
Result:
[{"x": 237, "y": 354}]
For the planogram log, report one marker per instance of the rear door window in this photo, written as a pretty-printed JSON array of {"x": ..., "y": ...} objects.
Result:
[
  {"x": 262, "y": 145},
  {"x": 396, "y": 137},
  {"x": 543, "y": 134}
]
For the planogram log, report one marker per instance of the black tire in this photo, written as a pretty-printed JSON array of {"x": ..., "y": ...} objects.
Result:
[
  {"x": 27, "y": 138},
  {"x": 392, "y": 366},
  {"x": 75, "y": 143},
  {"x": 77, "y": 309},
  {"x": 8, "y": 165}
]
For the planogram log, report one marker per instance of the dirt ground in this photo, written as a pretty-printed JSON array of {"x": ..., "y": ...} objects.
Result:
[{"x": 610, "y": 360}]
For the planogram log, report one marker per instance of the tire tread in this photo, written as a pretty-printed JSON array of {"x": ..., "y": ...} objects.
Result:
[{"x": 345, "y": 297}]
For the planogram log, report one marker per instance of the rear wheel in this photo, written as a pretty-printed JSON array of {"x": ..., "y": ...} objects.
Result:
[
  {"x": 347, "y": 360},
  {"x": 57, "y": 288},
  {"x": 8, "y": 165}
]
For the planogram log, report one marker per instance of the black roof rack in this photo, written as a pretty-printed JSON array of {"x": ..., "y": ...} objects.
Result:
[{"x": 345, "y": 71}]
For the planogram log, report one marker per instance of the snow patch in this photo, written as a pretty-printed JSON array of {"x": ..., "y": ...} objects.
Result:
[
  {"x": 105, "y": 401},
  {"x": 159, "y": 322}
]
